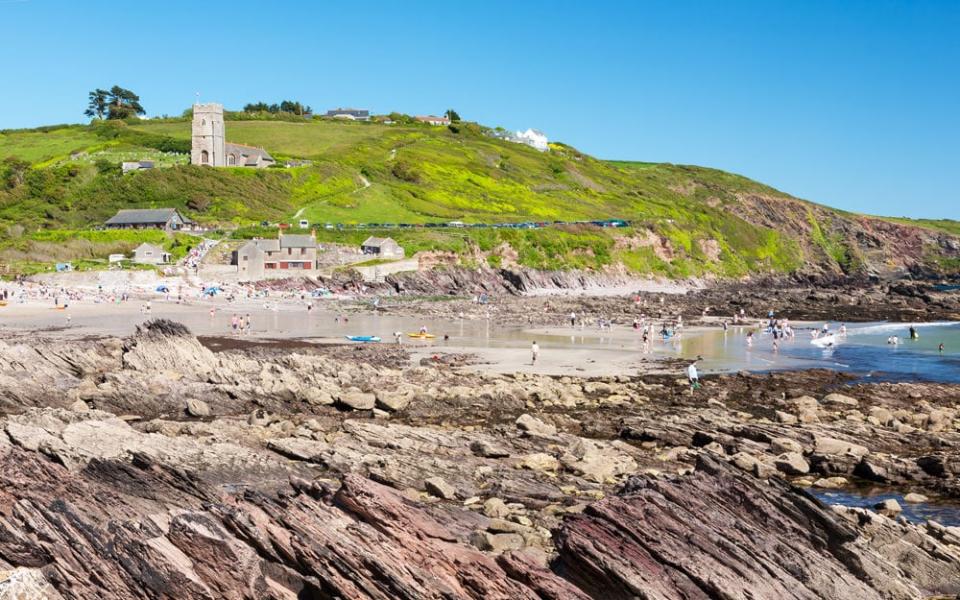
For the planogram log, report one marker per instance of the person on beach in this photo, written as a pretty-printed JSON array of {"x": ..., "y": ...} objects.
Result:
[
  {"x": 573, "y": 319},
  {"x": 749, "y": 339},
  {"x": 693, "y": 376},
  {"x": 398, "y": 335},
  {"x": 843, "y": 329},
  {"x": 940, "y": 348},
  {"x": 234, "y": 323},
  {"x": 423, "y": 330},
  {"x": 247, "y": 323},
  {"x": 913, "y": 333},
  {"x": 535, "y": 351}
]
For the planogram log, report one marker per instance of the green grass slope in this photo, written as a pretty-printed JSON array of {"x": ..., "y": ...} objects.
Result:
[{"x": 687, "y": 221}]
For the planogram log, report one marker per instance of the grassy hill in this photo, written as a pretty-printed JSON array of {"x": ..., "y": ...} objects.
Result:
[{"x": 686, "y": 220}]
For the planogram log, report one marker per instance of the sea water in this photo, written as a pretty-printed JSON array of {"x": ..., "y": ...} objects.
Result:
[{"x": 866, "y": 351}]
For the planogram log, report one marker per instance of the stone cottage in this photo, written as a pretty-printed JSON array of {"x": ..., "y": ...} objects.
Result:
[{"x": 261, "y": 258}]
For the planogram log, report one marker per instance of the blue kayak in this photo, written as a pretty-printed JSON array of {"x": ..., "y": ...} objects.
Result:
[{"x": 363, "y": 338}]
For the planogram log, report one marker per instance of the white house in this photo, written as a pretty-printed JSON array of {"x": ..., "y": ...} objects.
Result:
[
  {"x": 433, "y": 120},
  {"x": 534, "y": 139}
]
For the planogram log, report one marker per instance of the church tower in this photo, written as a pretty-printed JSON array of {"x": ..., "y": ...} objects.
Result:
[{"x": 208, "y": 136}]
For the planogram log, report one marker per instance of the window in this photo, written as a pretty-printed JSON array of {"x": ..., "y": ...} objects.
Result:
[
  {"x": 203, "y": 122},
  {"x": 204, "y": 157},
  {"x": 232, "y": 159}
]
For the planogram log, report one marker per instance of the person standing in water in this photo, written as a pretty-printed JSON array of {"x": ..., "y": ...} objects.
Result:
[
  {"x": 535, "y": 351},
  {"x": 913, "y": 333},
  {"x": 940, "y": 348},
  {"x": 693, "y": 376}
]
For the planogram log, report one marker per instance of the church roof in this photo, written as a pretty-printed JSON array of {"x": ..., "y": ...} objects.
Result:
[{"x": 247, "y": 150}]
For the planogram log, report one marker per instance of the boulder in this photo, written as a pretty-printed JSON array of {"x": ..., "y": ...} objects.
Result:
[
  {"x": 832, "y": 446},
  {"x": 438, "y": 487},
  {"x": 393, "y": 401},
  {"x": 744, "y": 461},
  {"x": 496, "y": 542},
  {"x": 888, "y": 507},
  {"x": 197, "y": 408},
  {"x": 915, "y": 498},
  {"x": 781, "y": 445},
  {"x": 79, "y": 406},
  {"x": 804, "y": 403},
  {"x": 830, "y": 483},
  {"x": 839, "y": 400},
  {"x": 316, "y": 396},
  {"x": 792, "y": 463},
  {"x": 540, "y": 461},
  {"x": 358, "y": 400},
  {"x": 488, "y": 449},
  {"x": 495, "y": 508},
  {"x": 535, "y": 426},
  {"x": 785, "y": 418}
]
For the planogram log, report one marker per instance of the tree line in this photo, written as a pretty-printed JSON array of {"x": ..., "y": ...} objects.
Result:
[{"x": 287, "y": 106}]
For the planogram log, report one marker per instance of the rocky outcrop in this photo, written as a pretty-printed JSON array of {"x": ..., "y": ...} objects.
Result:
[
  {"x": 297, "y": 476},
  {"x": 717, "y": 533}
]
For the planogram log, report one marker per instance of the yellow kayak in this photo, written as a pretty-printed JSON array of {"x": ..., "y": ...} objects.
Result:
[{"x": 422, "y": 336}]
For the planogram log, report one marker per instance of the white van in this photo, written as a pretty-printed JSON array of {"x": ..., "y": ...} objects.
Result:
[{"x": 304, "y": 223}]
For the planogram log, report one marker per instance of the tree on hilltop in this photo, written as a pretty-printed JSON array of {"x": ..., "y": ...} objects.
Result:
[
  {"x": 98, "y": 104},
  {"x": 115, "y": 103},
  {"x": 123, "y": 104},
  {"x": 452, "y": 115}
]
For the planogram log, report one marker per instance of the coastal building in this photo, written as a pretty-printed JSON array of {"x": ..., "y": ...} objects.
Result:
[
  {"x": 136, "y": 165},
  {"x": 382, "y": 248},
  {"x": 168, "y": 219},
  {"x": 433, "y": 120},
  {"x": 257, "y": 257},
  {"x": 349, "y": 114},
  {"x": 210, "y": 148},
  {"x": 150, "y": 254},
  {"x": 534, "y": 138},
  {"x": 531, "y": 137}
]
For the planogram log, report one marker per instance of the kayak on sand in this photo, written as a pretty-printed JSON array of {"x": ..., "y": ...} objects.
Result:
[
  {"x": 422, "y": 336},
  {"x": 363, "y": 338}
]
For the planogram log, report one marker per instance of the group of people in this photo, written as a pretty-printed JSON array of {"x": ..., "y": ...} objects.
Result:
[{"x": 240, "y": 324}]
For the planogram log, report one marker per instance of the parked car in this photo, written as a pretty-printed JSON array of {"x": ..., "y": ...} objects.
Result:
[{"x": 304, "y": 223}]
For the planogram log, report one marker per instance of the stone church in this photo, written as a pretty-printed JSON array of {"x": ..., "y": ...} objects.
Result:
[{"x": 210, "y": 147}]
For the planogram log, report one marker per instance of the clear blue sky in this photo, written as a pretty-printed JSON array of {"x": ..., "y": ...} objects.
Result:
[{"x": 855, "y": 104}]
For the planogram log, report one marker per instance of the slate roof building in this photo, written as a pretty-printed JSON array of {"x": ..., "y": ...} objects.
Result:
[
  {"x": 350, "y": 114},
  {"x": 136, "y": 165},
  {"x": 168, "y": 219},
  {"x": 257, "y": 257},
  {"x": 382, "y": 248}
]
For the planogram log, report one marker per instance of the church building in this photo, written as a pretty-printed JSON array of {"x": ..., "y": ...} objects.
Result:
[{"x": 210, "y": 147}]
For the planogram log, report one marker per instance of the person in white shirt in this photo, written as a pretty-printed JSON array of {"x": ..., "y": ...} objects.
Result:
[
  {"x": 535, "y": 350},
  {"x": 693, "y": 376}
]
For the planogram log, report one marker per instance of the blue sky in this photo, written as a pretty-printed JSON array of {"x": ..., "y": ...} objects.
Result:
[{"x": 852, "y": 104}]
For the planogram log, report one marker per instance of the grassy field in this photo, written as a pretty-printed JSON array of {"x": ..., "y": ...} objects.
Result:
[
  {"x": 687, "y": 221},
  {"x": 39, "y": 146}
]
